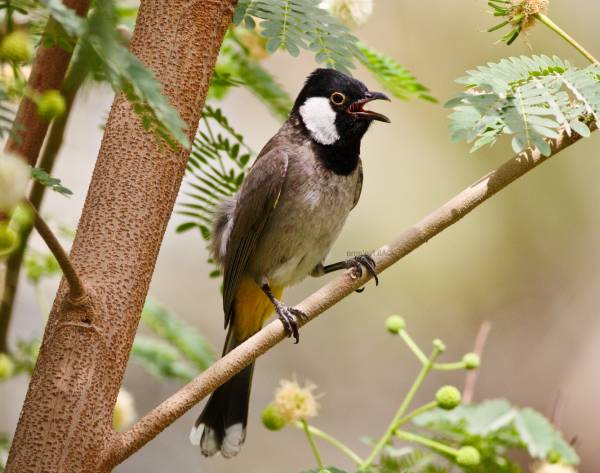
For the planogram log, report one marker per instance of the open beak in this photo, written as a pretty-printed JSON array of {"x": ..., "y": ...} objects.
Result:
[{"x": 356, "y": 109}]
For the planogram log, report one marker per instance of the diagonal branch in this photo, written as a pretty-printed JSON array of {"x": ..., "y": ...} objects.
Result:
[
  {"x": 171, "y": 409},
  {"x": 76, "y": 286}
]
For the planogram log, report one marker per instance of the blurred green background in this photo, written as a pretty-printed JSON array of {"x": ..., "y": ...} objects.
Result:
[{"x": 528, "y": 260}]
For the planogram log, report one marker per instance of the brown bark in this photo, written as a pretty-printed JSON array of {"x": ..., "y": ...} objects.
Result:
[
  {"x": 65, "y": 424},
  {"x": 47, "y": 73}
]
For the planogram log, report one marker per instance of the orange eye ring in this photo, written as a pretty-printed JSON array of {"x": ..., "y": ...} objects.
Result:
[{"x": 337, "y": 98}]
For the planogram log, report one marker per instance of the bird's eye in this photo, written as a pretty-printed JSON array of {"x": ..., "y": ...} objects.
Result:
[{"x": 337, "y": 98}]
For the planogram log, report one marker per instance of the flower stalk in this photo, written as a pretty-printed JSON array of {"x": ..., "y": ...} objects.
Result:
[
  {"x": 332, "y": 441},
  {"x": 312, "y": 443},
  {"x": 544, "y": 19},
  {"x": 396, "y": 422}
]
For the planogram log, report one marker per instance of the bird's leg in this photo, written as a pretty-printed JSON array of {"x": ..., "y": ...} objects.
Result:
[
  {"x": 286, "y": 314},
  {"x": 356, "y": 264}
]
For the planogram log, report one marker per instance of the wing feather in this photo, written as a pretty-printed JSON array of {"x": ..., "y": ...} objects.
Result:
[
  {"x": 257, "y": 199},
  {"x": 359, "y": 184}
]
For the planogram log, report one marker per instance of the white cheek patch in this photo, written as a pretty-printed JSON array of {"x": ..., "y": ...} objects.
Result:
[{"x": 319, "y": 118}]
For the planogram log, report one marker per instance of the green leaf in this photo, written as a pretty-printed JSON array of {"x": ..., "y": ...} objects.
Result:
[
  {"x": 394, "y": 77},
  {"x": 215, "y": 171},
  {"x": 46, "y": 180},
  {"x": 40, "y": 265},
  {"x": 103, "y": 52},
  {"x": 25, "y": 355},
  {"x": 482, "y": 419},
  {"x": 184, "y": 227},
  {"x": 126, "y": 73},
  {"x": 565, "y": 450},
  {"x": 536, "y": 432},
  {"x": 160, "y": 359},
  {"x": 68, "y": 19},
  {"x": 179, "y": 334},
  {"x": 235, "y": 63},
  {"x": 293, "y": 25},
  {"x": 532, "y": 98}
]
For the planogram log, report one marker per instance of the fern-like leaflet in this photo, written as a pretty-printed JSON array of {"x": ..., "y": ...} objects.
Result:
[
  {"x": 301, "y": 24},
  {"x": 393, "y": 76},
  {"x": 532, "y": 98},
  {"x": 215, "y": 171}
]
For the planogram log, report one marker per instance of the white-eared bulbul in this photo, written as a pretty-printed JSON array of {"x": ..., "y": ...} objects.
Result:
[{"x": 280, "y": 226}]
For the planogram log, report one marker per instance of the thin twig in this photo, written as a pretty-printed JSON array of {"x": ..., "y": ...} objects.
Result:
[
  {"x": 333, "y": 441},
  {"x": 569, "y": 39},
  {"x": 76, "y": 287},
  {"x": 471, "y": 379},
  {"x": 36, "y": 195},
  {"x": 149, "y": 426},
  {"x": 312, "y": 443}
]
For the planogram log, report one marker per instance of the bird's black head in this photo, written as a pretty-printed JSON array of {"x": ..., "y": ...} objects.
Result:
[{"x": 330, "y": 105}]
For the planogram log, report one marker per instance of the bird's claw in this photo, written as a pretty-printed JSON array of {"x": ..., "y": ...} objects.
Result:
[
  {"x": 289, "y": 318},
  {"x": 363, "y": 261}
]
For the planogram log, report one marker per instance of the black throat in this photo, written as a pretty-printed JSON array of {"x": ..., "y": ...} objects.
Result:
[{"x": 340, "y": 158}]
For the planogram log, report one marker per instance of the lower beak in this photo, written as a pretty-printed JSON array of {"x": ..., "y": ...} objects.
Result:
[{"x": 356, "y": 109}]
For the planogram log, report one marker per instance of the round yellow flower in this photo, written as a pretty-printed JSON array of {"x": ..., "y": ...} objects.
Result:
[
  {"x": 14, "y": 177},
  {"x": 352, "y": 13},
  {"x": 553, "y": 468},
  {"x": 124, "y": 413},
  {"x": 294, "y": 402}
]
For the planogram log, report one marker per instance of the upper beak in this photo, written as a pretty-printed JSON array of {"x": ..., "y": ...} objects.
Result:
[{"x": 356, "y": 109}]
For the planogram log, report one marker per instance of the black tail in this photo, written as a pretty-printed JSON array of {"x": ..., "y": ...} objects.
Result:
[{"x": 225, "y": 415}]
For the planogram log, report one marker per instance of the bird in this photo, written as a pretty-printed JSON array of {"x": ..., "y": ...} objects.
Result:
[{"x": 279, "y": 227}]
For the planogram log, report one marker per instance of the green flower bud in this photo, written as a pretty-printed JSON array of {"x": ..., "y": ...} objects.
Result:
[
  {"x": 271, "y": 419},
  {"x": 554, "y": 457},
  {"x": 21, "y": 217},
  {"x": 448, "y": 397},
  {"x": 471, "y": 361},
  {"x": 51, "y": 105},
  {"x": 468, "y": 456},
  {"x": 394, "y": 324},
  {"x": 9, "y": 239},
  {"x": 439, "y": 345},
  {"x": 16, "y": 47},
  {"x": 7, "y": 366}
]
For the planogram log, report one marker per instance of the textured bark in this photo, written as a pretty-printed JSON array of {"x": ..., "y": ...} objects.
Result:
[
  {"x": 47, "y": 73},
  {"x": 65, "y": 424}
]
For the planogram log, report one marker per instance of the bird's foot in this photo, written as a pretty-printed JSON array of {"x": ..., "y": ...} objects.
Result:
[
  {"x": 289, "y": 317},
  {"x": 358, "y": 263}
]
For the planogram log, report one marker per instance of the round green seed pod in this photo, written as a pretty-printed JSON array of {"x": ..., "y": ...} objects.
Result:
[
  {"x": 7, "y": 366},
  {"x": 271, "y": 419},
  {"x": 471, "y": 361},
  {"x": 439, "y": 345},
  {"x": 16, "y": 47},
  {"x": 394, "y": 324},
  {"x": 9, "y": 239},
  {"x": 448, "y": 397},
  {"x": 51, "y": 105},
  {"x": 468, "y": 456}
]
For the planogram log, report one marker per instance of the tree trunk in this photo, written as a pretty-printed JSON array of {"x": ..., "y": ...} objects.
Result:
[{"x": 65, "y": 424}]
